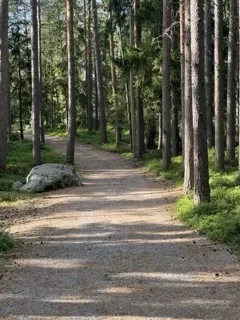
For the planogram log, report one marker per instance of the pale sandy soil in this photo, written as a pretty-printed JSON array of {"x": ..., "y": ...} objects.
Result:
[{"x": 111, "y": 249}]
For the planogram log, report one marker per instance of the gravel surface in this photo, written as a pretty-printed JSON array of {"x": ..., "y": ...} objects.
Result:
[{"x": 111, "y": 250}]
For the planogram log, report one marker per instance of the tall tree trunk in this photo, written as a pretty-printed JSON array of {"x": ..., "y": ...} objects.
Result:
[
  {"x": 114, "y": 81},
  {"x": 131, "y": 87},
  {"x": 218, "y": 86},
  {"x": 3, "y": 82},
  {"x": 166, "y": 88},
  {"x": 231, "y": 80},
  {"x": 101, "y": 104},
  {"x": 85, "y": 9},
  {"x": 71, "y": 85},
  {"x": 20, "y": 85},
  {"x": 138, "y": 99},
  {"x": 35, "y": 86},
  {"x": 40, "y": 73},
  {"x": 201, "y": 175},
  {"x": 188, "y": 117},
  {"x": 182, "y": 60},
  {"x": 208, "y": 70},
  {"x": 89, "y": 69},
  {"x": 239, "y": 92},
  {"x": 96, "y": 101}
]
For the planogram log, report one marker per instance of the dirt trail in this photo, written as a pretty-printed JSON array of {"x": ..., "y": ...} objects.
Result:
[{"x": 111, "y": 250}]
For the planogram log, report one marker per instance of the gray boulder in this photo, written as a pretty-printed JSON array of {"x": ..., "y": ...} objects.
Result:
[
  {"x": 50, "y": 176},
  {"x": 17, "y": 185}
]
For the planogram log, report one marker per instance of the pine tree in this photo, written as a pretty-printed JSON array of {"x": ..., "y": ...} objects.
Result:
[
  {"x": 35, "y": 86},
  {"x": 201, "y": 175},
  {"x": 71, "y": 85}
]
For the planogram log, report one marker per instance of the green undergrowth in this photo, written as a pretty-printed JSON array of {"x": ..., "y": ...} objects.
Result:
[
  {"x": 94, "y": 139},
  {"x": 153, "y": 164},
  {"x": 19, "y": 163},
  {"x": 6, "y": 241},
  {"x": 219, "y": 220}
]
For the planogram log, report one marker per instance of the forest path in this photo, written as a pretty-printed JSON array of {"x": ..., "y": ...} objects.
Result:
[{"x": 111, "y": 250}]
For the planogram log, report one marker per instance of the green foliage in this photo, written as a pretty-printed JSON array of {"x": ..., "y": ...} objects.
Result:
[
  {"x": 93, "y": 139},
  {"x": 6, "y": 241},
  {"x": 154, "y": 165},
  {"x": 219, "y": 219},
  {"x": 19, "y": 163}
]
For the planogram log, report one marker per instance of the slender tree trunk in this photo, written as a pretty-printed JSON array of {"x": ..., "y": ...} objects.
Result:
[
  {"x": 114, "y": 81},
  {"x": 239, "y": 92},
  {"x": 208, "y": 71},
  {"x": 3, "y": 82},
  {"x": 188, "y": 117},
  {"x": 40, "y": 73},
  {"x": 182, "y": 60},
  {"x": 96, "y": 101},
  {"x": 101, "y": 104},
  {"x": 131, "y": 87},
  {"x": 90, "y": 69},
  {"x": 126, "y": 86},
  {"x": 218, "y": 86},
  {"x": 85, "y": 8},
  {"x": 201, "y": 175},
  {"x": 35, "y": 86},
  {"x": 166, "y": 88},
  {"x": 138, "y": 99},
  {"x": 71, "y": 85},
  {"x": 231, "y": 80},
  {"x": 20, "y": 86}
]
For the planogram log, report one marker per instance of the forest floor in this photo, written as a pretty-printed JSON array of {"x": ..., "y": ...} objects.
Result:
[{"x": 111, "y": 249}]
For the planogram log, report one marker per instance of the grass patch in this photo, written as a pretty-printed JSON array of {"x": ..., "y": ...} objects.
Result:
[
  {"x": 94, "y": 139},
  {"x": 6, "y": 241},
  {"x": 219, "y": 220},
  {"x": 154, "y": 165},
  {"x": 19, "y": 163}
]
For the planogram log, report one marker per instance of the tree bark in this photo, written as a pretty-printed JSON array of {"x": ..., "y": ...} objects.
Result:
[
  {"x": 35, "y": 86},
  {"x": 114, "y": 81},
  {"x": 231, "y": 80},
  {"x": 218, "y": 86},
  {"x": 71, "y": 85},
  {"x": 138, "y": 99},
  {"x": 4, "y": 79},
  {"x": 201, "y": 175},
  {"x": 131, "y": 87},
  {"x": 182, "y": 60},
  {"x": 20, "y": 86},
  {"x": 188, "y": 117},
  {"x": 166, "y": 87},
  {"x": 208, "y": 71},
  {"x": 89, "y": 71},
  {"x": 101, "y": 104},
  {"x": 239, "y": 93},
  {"x": 42, "y": 135}
]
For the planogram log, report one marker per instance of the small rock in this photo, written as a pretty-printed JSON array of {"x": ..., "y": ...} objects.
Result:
[{"x": 17, "y": 185}]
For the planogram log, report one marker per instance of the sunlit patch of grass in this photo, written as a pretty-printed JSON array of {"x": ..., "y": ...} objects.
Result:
[
  {"x": 219, "y": 220},
  {"x": 154, "y": 165},
  {"x": 19, "y": 163},
  {"x": 57, "y": 132},
  {"x": 93, "y": 139}
]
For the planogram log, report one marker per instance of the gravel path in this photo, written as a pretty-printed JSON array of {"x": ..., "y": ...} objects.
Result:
[{"x": 111, "y": 250}]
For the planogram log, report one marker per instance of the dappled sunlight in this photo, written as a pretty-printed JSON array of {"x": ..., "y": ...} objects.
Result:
[
  {"x": 179, "y": 277},
  {"x": 111, "y": 250}
]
